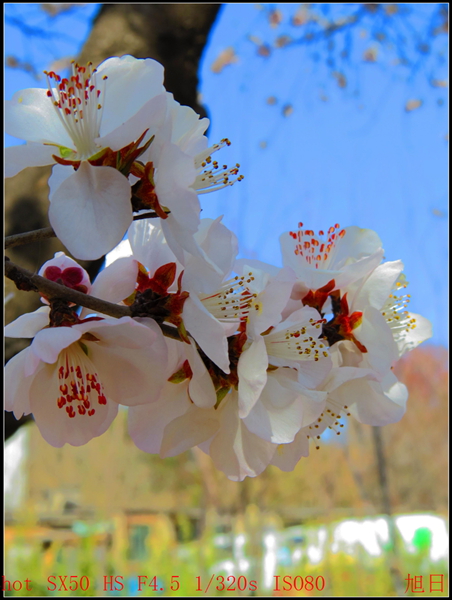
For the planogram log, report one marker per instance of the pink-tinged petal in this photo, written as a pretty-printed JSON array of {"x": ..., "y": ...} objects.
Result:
[
  {"x": 372, "y": 402},
  {"x": 312, "y": 373},
  {"x": 123, "y": 376},
  {"x": 175, "y": 169},
  {"x": 205, "y": 272},
  {"x": 149, "y": 116},
  {"x": 201, "y": 389},
  {"x": 48, "y": 343},
  {"x": 184, "y": 206},
  {"x": 201, "y": 275},
  {"x": 207, "y": 331},
  {"x": 32, "y": 364},
  {"x": 117, "y": 281},
  {"x": 235, "y": 450},
  {"x": 241, "y": 263},
  {"x": 122, "y": 250},
  {"x": 190, "y": 429},
  {"x": 312, "y": 401},
  {"x": 176, "y": 355},
  {"x": 30, "y": 115},
  {"x": 363, "y": 247},
  {"x": 421, "y": 331},
  {"x": 377, "y": 287},
  {"x": 252, "y": 372},
  {"x": 148, "y": 244},
  {"x": 54, "y": 423},
  {"x": 17, "y": 384},
  {"x": 187, "y": 127},
  {"x": 256, "y": 279},
  {"x": 272, "y": 301},
  {"x": 291, "y": 306},
  {"x": 346, "y": 354},
  {"x": 300, "y": 318},
  {"x": 361, "y": 268},
  {"x": 357, "y": 243},
  {"x": 18, "y": 158},
  {"x": 59, "y": 174},
  {"x": 29, "y": 324},
  {"x": 179, "y": 238},
  {"x": 130, "y": 83},
  {"x": 91, "y": 211},
  {"x": 218, "y": 242},
  {"x": 277, "y": 417},
  {"x": 376, "y": 336},
  {"x": 287, "y": 456},
  {"x": 340, "y": 375},
  {"x": 147, "y": 422},
  {"x": 125, "y": 333},
  {"x": 131, "y": 361}
]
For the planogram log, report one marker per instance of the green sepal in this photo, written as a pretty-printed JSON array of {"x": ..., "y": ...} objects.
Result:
[
  {"x": 221, "y": 393},
  {"x": 66, "y": 152},
  {"x": 84, "y": 347},
  {"x": 178, "y": 376}
]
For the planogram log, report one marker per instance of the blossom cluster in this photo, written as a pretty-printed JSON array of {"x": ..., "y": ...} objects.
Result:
[{"x": 247, "y": 361}]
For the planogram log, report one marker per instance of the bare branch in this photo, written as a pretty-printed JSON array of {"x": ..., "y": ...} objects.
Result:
[
  {"x": 30, "y": 282},
  {"x": 29, "y": 237}
]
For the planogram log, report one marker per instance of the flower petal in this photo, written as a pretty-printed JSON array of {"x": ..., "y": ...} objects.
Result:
[
  {"x": 148, "y": 244},
  {"x": 287, "y": 456},
  {"x": 235, "y": 450},
  {"x": 276, "y": 423},
  {"x": 377, "y": 287},
  {"x": 48, "y": 343},
  {"x": 190, "y": 429},
  {"x": 180, "y": 238},
  {"x": 17, "y": 384},
  {"x": 373, "y": 402},
  {"x": 130, "y": 83},
  {"x": 149, "y": 116},
  {"x": 29, "y": 324},
  {"x": 207, "y": 331},
  {"x": 30, "y": 115},
  {"x": 56, "y": 427},
  {"x": 18, "y": 158},
  {"x": 131, "y": 360},
  {"x": 116, "y": 282},
  {"x": 377, "y": 337},
  {"x": 148, "y": 421},
  {"x": 415, "y": 335},
  {"x": 252, "y": 372},
  {"x": 91, "y": 211},
  {"x": 201, "y": 389},
  {"x": 272, "y": 301}
]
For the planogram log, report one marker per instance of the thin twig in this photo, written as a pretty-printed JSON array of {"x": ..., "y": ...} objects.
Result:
[
  {"x": 27, "y": 281},
  {"x": 29, "y": 237}
]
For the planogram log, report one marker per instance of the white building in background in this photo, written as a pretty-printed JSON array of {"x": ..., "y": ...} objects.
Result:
[{"x": 14, "y": 462}]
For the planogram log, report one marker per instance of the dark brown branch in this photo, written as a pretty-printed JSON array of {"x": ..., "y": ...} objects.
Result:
[
  {"x": 28, "y": 237},
  {"x": 29, "y": 282},
  {"x": 45, "y": 233}
]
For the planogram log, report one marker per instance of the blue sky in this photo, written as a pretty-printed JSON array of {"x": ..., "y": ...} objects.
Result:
[{"x": 352, "y": 156}]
